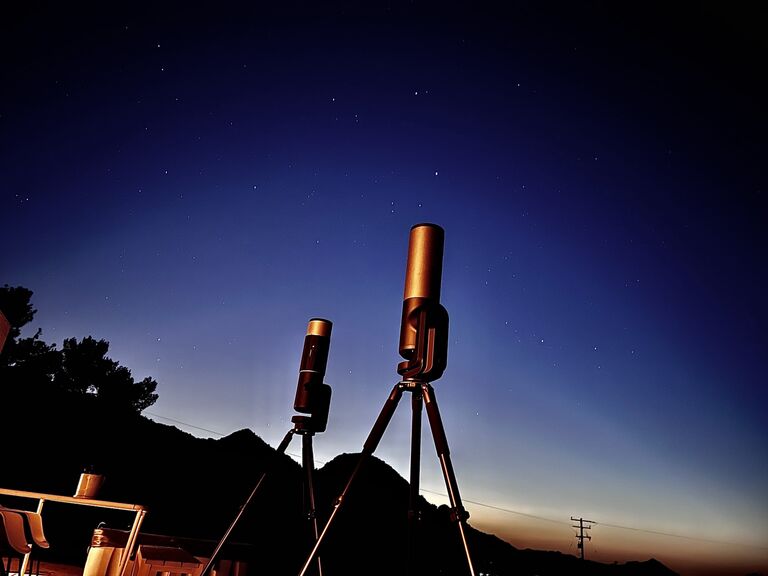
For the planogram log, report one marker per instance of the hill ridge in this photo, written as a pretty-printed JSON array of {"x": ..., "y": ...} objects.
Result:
[{"x": 193, "y": 488}]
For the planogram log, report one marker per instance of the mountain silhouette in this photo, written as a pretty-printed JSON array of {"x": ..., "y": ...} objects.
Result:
[{"x": 193, "y": 489}]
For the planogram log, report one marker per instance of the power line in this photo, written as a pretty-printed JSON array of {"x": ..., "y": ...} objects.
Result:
[
  {"x": 483, "y": 504},
  {"x": 580, "y": 536},
  {"x": 673, "y": 535},
  {"x": 606, "y": 524},
  {"x": 184, "y": 423}
]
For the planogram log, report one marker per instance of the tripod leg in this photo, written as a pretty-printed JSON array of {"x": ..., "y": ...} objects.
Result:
[
  {"x": 413, "y": 508},
  {"x": 308, "y": 463},
  {"x": 280, "y": 449},
  {"x": 368, "y": 448},
  {"x": 458, "y": 513}
]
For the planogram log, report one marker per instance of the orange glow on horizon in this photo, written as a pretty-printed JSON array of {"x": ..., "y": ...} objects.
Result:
[{"x": 688, "y": 557}]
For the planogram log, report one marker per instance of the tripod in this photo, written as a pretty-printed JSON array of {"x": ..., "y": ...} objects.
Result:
[
  {"x": 427, "y": 363},
  {"x": 301, "y": 427}
]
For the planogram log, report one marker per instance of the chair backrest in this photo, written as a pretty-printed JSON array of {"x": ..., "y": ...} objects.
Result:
[
  {"x": 13, "y": 529},
  {"x": 33, "y": 526}
]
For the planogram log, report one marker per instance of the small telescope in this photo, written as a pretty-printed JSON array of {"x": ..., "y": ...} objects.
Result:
[
  {"x": 313, "y": 397},
  {"x": 424, "y": 323}
]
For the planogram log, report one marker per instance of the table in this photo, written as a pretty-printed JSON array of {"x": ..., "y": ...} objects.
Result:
[{"x": 42, "y": 497}]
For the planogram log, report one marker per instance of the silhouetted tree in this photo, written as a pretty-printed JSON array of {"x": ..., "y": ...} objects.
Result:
[
  {"x": 86, "y": 369},
  {"x": 16, "y": 304},
  {"x": 27, "y": 362},
  {"x": 29, "y": 366}
]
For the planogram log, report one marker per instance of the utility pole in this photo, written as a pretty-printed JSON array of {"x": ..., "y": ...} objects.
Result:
[{"x": 580, "y": 536}]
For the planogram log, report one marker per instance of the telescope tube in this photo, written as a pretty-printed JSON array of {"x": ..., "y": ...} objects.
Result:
[
  {"x": 422, "y": 279},
  {"x": 314, "y": 360}
]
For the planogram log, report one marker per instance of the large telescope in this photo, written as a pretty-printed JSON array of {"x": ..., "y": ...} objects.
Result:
[
  {"x": 312, "y": 395},
  {"x": 424, "y": 323}
]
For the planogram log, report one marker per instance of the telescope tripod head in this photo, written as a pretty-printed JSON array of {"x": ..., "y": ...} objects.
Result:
[{"x": 308, "y": 425}]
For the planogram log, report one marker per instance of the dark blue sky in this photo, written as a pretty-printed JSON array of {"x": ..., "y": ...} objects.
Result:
[{"x": 193, "y": 185}]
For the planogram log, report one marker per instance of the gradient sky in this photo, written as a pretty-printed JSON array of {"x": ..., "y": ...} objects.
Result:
[{"x": 194, "y": 185}]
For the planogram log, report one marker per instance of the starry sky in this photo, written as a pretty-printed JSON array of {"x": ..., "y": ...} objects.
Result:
[{"x": 194, "y": 183}]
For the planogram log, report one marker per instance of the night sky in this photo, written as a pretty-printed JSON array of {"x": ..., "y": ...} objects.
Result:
[{"x": 194, "y": 184}]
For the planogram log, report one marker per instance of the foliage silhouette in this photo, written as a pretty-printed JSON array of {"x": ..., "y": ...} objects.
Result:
[
  {"x": 16, "y": 304},
  {"x": 31, "y": 369}
]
